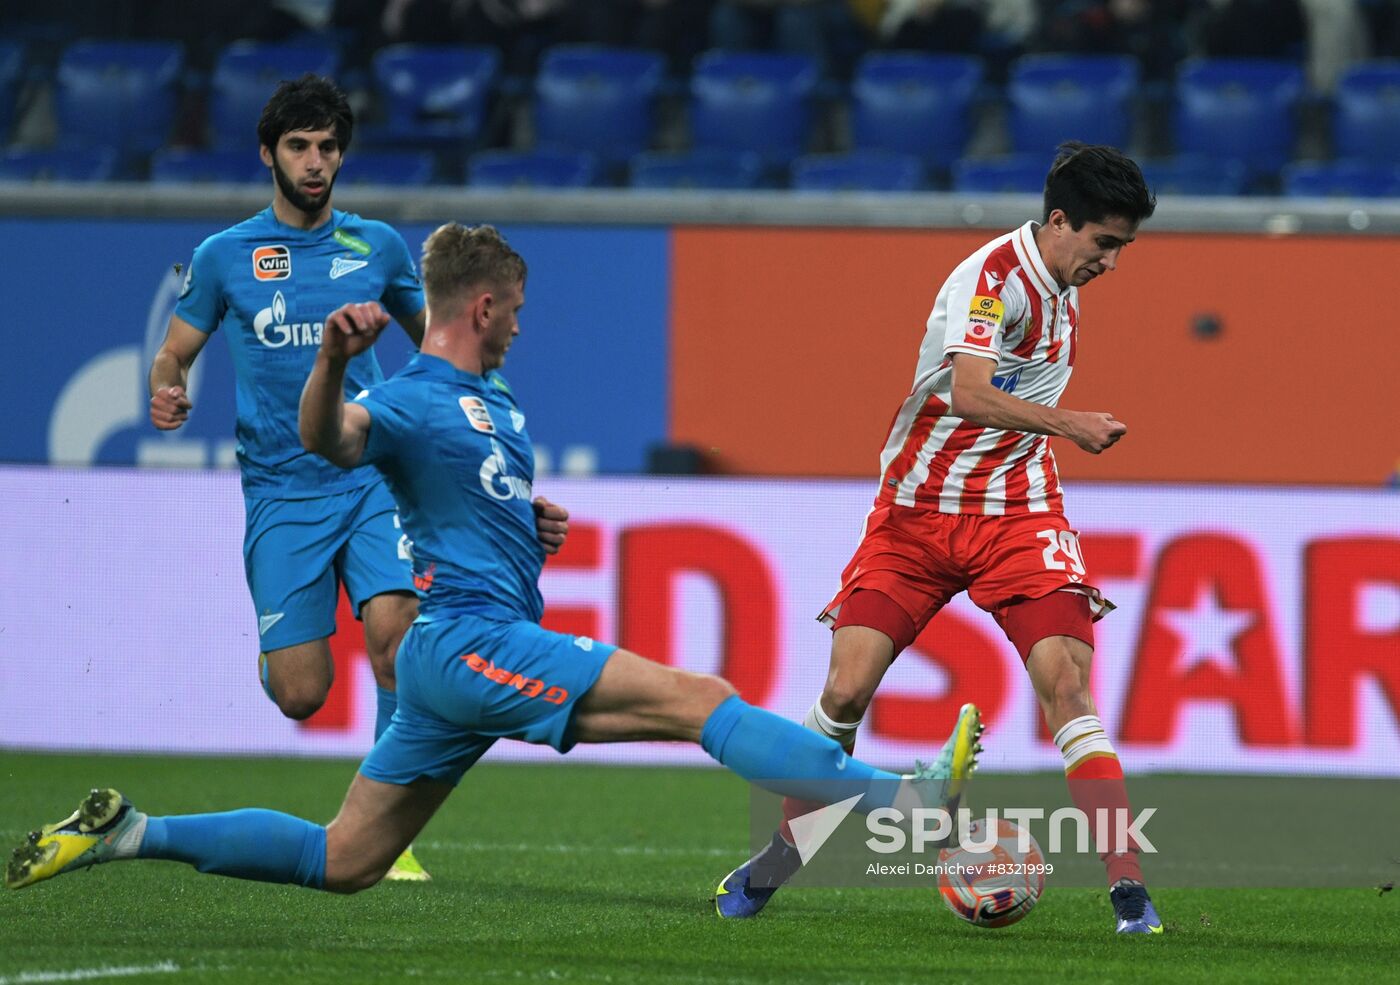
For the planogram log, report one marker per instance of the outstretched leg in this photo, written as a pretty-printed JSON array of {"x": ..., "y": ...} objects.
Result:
[{"x": 352, "y": 853}]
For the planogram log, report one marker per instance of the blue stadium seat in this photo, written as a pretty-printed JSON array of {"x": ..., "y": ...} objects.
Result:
[
  {"x": 1054, "y": 98},
  {"x": 59, "y": 164},
  {"x": 118, "y": 94},
  {"x": 908, "y": 102},
  {"x": 709, "y": 170},
  {"x": 532, "y": 169},
  {"x": 597, "y": 99},
  {"x": 245, "y": 76},
  {"x": 1366, "y": 116},
  {"x": 1239, "y": 109},
  {"x": 752, "y": 101},
  {"x": 871, "y": 171},
  {"x": 433, "y": 95},
  {"x": 1194, "y": 175},
  {"x": 1014, "y": 174},
  {"x": 1341, "y": 179},
  {"x": 11, "y": 78},
  {"x": 186, "y": 165},
  {"x": 387, "y": 168}
]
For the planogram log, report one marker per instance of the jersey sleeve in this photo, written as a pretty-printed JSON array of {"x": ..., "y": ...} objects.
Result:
[
  {"x": 403, "y": 291},
  {"x": 202, "y": 301},
  {"x": 390, "y": 424},
  {"x": 982, "y": 301}
]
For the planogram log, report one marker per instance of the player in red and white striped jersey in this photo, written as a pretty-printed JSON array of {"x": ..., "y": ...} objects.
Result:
[{"x": 969, "y": 498}]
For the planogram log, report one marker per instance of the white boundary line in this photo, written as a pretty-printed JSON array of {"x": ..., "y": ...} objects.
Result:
[{"x": 89, "y": 974}]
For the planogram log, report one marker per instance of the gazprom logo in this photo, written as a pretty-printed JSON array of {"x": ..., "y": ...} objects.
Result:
[
  {"x": 272, "y": 330},
  {"x": 495, "y": 480}
]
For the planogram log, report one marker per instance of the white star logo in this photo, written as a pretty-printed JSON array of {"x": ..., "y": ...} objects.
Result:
[{"x": 1207, "y": 631}]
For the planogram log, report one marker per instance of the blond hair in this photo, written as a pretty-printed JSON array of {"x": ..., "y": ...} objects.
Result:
[{"x": 460, "y": 261}]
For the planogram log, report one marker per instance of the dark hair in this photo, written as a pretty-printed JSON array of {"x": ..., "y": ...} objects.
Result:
[
  {"x": 459, "y": 259},
  {"x": 311, "y": 102},
  {"x": 1090, "y": 182}
]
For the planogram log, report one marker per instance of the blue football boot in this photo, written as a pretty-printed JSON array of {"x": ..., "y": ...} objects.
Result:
[{"x": 1134, "y": 910}]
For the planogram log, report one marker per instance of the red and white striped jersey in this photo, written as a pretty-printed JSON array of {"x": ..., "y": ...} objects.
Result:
[{"x": 1002, "y": 304}]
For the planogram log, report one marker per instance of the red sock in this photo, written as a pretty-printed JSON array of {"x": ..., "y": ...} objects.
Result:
[{"x": 1095, "y": 778}]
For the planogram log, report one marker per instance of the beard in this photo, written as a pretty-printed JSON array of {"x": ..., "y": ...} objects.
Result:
[{"x": 310, "y": 204}]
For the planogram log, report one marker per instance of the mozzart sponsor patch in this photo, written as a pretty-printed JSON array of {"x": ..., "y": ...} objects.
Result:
[
  {"x": 983, "y": 317},
  {"x": 272, "y": 263},
  {"x": 480, "y": 417}
]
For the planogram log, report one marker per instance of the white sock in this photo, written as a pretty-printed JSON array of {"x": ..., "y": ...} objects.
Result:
[
  {"x": 823, "y": 724},
  {"x": 1083, "y": 738}
]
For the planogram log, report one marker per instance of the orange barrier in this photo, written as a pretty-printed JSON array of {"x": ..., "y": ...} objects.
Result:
[{"x": 792, "y": 348}]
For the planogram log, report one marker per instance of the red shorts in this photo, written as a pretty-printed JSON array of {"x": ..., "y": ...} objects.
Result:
[{"x": 921, "y": 558}]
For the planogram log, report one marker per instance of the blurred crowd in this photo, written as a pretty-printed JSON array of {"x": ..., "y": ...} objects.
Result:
[{"x": 1326, "y": 35}]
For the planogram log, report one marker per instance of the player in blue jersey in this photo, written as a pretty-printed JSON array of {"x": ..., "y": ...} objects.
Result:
[
  {"x": 476, "y": 666},
  {"x": 268, "y": 284}
]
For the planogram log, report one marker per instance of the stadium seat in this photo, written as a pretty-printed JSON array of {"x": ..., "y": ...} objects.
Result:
[
  {"x": 187, "y": 165},
  {"x": 118, "y": 94},
  {"x": 752, "y": 101},
  {"x": 245, "y": 76},
  {"x": 709, "y": 170},
  {"x": 60, "y": 164},
  {"x": 596, "y": 99},
  {"x": 1015, "y": 174},
  {"x": 1341, "y": 179},
  {"x": 11, "y": 78},
  {"x": 870, "y": 171},
  {"x": 1194, "y": 175},
  {"x": 1239, "y": 109},
  {"x": 532, "y": 169},
  {"x": 1054, "y": 98},
  {"x": 909, "y": 102},
  {"x": 433, "y": 95},
  {"x": 387, "y": 168},
  {"x": 1366, "y": 115}
]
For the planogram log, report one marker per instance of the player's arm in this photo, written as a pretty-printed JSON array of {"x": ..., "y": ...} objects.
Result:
[
  {"x": 170, "y": 373},
  {"x": 329, "y": 426},
  {"x": 977, "y": 400}
]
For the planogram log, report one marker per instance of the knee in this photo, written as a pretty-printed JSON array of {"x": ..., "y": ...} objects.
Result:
[
  {"x": 846, "y": 700},
  {"x": 351, "y": 882},
  {"x": 299, "y": 702},
  {"x": 1069, "y": 696},
  {"x": 713, "y": 691}
]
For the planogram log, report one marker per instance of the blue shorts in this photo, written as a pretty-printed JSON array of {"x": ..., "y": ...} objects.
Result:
[
  {"x": 296, "y": 553},
  {"x": 466, "y": 681}
]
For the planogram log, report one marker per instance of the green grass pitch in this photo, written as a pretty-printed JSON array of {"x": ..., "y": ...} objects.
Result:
[{"x": 597, "y": 874}]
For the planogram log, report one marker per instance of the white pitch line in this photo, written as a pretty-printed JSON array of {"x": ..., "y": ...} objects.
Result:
[
  {"x": 89, "y": 974},
  {"x": 523, "y": 847}
]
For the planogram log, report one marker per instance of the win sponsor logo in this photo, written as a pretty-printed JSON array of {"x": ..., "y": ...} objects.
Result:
[{"x": 272, "y": 263}]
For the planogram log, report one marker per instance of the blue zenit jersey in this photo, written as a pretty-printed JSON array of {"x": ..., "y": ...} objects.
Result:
[
  {"x": 460, "y": 465},
  {"x": 272, "y": 287}
]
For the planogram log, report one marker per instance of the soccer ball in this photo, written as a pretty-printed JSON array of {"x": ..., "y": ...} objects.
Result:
[{"x": 995, "y": 887}]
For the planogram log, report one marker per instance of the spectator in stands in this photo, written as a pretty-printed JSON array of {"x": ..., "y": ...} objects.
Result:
[
  {"x": 931, "y": 25},
  {"x": 1149, "y": 30},
  {"x": 677, "y": 28},
  {"x": 520, "y": 28},
  {"x": 820, "y": 29},
  {"x": 1248, "y": 29},
  {"x": 1338, "y": 34}
]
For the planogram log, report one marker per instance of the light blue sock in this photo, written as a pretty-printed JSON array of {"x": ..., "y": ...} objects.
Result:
[
  {"x": 385, "y": 703},
  {"x": 249, "y": 844},
  {"x": 782, "y": 756}
]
